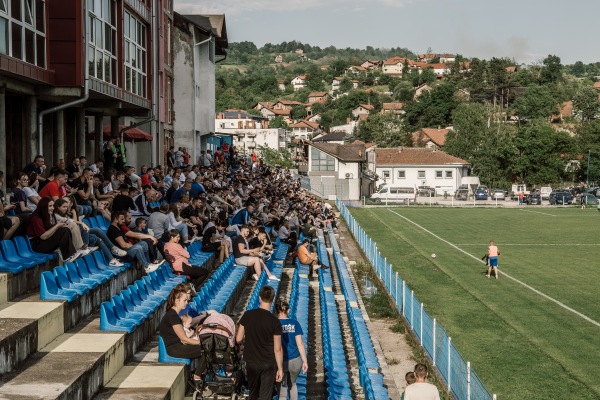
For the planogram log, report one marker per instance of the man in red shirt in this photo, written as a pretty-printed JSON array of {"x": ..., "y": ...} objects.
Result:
[
  {"x": 55, "y": 188},
  {"x": 186, "y": 157}
]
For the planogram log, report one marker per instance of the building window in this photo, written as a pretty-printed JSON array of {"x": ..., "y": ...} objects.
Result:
[
  {"x": 321, "y": 161},
  {"x": 135, "y": 55},
  {"x": 168, "y": 33},
  {"x": 102, "y": 36},
  {"x": 401, "y": 174},
  {"x": 386, "y": 174},
  {"x": 421, "y": 174},
  {"x": 449, "y": 174},
  {"x": 439, "y": 174},
  {"x": 23, "y": 30}
]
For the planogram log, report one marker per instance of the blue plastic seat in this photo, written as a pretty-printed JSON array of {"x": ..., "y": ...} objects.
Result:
[
  {"x": 142, "y": 296},
  {"x": 6, "y": 266},
  {"x": 92, "y": 266},
  {"x": 10, "y": 254},
  {"x": 76, "y": 278},
  {"x": 62, "y": 279},
  {"x": 122, "y": 314},
  {"x": 131, "y": 303},
  {"x": 24, "y": 252},
  {"x": 23, "y": 242},
  {"x": 102, "y": 222},
  {"x": 109, "y": 321},
  {"x": 85, "y": 273},
  {"x": 147, "y": 293},
  {"x": 163, "y": 357},
  {"x": 49, "y": 290},
  {"x": 92, "y": 223}
]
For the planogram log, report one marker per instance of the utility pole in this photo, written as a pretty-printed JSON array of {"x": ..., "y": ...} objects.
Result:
[{"x": 587, "y": 179}]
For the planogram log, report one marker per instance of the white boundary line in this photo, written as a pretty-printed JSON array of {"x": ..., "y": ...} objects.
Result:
[
  {"x": 585, "y": 317},
  {"x": 531, "y": 244},
  {"x": 539, "y": 212}
]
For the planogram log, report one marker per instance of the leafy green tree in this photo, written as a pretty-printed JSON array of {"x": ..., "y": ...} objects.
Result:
[
  {"x": 541, "y": 153},
  {"x": 578, "y": 69},
  {"x": 278, "y": 122},
  {"x": 434, "y": 108},
  {"x": 586, "y": 103},
  {"x": 537, "y": 102},
  {"x": 552, "y": 70},
  {"x": 345, "y": 85},
  {"x": 386, "y": 130},
  {"x": 298, "y": 112},
  {"x": 588, "y": 144},
  {"x": 274, "y": 157}
]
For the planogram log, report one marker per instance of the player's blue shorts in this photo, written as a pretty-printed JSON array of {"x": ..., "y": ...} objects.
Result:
[{"x": 493, "y": 261}]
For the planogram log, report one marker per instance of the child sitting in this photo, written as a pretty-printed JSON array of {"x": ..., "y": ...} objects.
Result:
[{"x": 141, "y": 226}]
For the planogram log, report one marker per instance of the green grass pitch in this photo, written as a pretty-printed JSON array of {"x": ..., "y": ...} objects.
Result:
[{"x": 535, "y": 332}]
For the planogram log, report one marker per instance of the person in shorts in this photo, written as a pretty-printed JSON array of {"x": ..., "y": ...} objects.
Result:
[{"x": 493, "y": 254}]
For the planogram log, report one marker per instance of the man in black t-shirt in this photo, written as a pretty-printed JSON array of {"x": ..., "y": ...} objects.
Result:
[
  {"x": 262, "y": 350},
  {"x": 122, "y": 201}
]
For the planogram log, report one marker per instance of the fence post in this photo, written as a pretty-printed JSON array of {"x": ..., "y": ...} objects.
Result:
[
  {"x": 396, "y": 289},
  {"x": 403, "y": 298},
  {"x": 469, "y": 375},
  {"x": 421, "y": 327},
  {"x": 434, "y": 339},
  {"x": 449, "y": 362},
  {"x": 494, "y": 396},
  {"x": 412, "y": 306}
]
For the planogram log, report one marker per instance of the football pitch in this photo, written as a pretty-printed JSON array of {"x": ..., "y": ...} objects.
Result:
[{"x": 535, "y": 332}]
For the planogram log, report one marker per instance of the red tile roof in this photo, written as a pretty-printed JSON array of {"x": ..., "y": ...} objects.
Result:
[
  {"x": 305, "y": 124},
  {"x": 317, "y": 94},
  {"x": 393, "y": 106},
  {"x": 597, "y": 85},
  {"x": 437, "y": 136},
  {"x": 415, "y": 156},
  {"x": 366, "y": 106}
]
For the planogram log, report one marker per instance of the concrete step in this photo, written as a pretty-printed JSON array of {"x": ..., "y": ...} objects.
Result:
[
  {"x": 28, "y": 324},
  {"x": 13, "y": 286}
]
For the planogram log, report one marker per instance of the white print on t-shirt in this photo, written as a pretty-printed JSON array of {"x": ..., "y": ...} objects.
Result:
[{"x": 288, "y": 328}]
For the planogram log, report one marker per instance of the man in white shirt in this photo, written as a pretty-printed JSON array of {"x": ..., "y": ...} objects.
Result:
[{"x": 421, "y": 390}]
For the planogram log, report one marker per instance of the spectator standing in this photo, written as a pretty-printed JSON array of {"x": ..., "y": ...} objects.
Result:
[
  {"x": 186, "y": 157},
  {"x": 263, "y": 351},
  {"x": 294, "y": 352},
  {"x": 38, "y": 166},
  {"x": 178, "y": 157},
  {"x": 109, "y": 155},
  {"x": 421, "y": 390},
  {"x": 171, "y": 157},
  {"x": 120, "y": 152}
]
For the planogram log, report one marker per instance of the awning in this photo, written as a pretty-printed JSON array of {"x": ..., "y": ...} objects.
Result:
[{"x": 131, "y": 135}]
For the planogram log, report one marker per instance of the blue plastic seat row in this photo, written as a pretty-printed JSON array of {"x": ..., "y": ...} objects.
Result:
[
  {"x": 17, "y": 256},
  {"x": 370, "y": 379},
  {"x": 281, "y": 250},
  {"x": 97, "y": 222},
  {"x": 134, "y": 304},
  {"x": 74, "y": 279},
  {"x": 334, "y": 359},
  {"x": 299, "y": 302},
  {"x": 276, "y": 269}
]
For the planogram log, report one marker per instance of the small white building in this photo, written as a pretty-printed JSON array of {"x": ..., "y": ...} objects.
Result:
[
  {"x": 336, "y": 169},
  {"x": 412, "y": 167},
  {"x": 299, "y": 82},
  {"x": 249, "y": 131}
]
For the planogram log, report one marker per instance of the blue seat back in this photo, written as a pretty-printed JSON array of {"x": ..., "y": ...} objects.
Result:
[
  {"x": 107, "y": 313},
  {"x": 48, "y": 284},
  {"x": 62, "y": 278},
  {"x": 164, "y": 357}
]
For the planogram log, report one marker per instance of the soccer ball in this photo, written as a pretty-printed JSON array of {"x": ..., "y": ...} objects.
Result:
[{"x": 433, "y": 255}]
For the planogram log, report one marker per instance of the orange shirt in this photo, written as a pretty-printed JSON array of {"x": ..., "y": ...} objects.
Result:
[
  {"x": 493, "y": 251},
  {"x": 304, "y": 255}
]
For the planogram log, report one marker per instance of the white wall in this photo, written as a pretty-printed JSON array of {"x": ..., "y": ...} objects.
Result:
[
  {"x": 184, "y": 91},
  {"x": 275, "y": 138},
  {"x": 412, "y": 179}
]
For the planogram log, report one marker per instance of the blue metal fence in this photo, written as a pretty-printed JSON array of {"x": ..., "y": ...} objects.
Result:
[{"x": 461, "y": 380}]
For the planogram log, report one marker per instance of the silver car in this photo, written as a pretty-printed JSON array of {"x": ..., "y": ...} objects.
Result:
[{"x": 498, "y": 194}]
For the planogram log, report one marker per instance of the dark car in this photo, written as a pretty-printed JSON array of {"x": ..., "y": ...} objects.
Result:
[
  {"x": 426, "y": 191},
  {"x": 461, "y": 194},
  {"x": 560, "y": 198},
  {"x": 590, "y": 199},
  {"x": 481, "y": 194},
  {"x": 533, "y": 199}
]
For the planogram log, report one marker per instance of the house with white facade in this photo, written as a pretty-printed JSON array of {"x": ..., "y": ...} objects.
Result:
[
  {"x": 337, "y": 169},
  {"x": 299, "y": 82},
  {"x": 430, "y": 137},
  {"x": 393, "y": 108},
  {"x": 318, "y": 97},
  {"x": 413, "y": 167},
  {"x": 249, "y": 132},
  {"x": 197, "y": 42},
  {"x": 304, "y": 129},
  {"x": 362, "y": 109}
]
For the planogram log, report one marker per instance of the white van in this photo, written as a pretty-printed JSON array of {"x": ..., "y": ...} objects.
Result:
[
  {"x": 395, "y": 194},
  {"x": 545, "y": 192}
]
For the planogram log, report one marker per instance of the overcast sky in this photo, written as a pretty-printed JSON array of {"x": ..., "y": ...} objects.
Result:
[{"x": 527, "y": 30}]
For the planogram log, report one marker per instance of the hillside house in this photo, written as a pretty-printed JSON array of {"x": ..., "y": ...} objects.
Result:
[
  {"x": 304, "y": 129},
  {"x": 299, "y": 82},
  {"x": 422, "y": 89},
  {"x": 355, "y": 69},
  {"x": 393, "y": 108},
  {"x": 318, "y": 97},
  {"x": 362, "y": 109},
  {"x": 371, "y": 64},
  {"x": 281, "y": 85},
  {"x": 331, "y": 137},
  {"x": 430, "y": 138},
  {"x": 279, "y": 59},
  {"x": 286, "y": 104}
]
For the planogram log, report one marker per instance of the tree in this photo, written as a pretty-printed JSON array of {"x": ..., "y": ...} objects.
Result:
[
  {"x": 586, "y": 103},
  {"x": 345, "y": 85},
  {"x": 542, "y": 153},
  {"x": 298, "y": 112},
  {"x": 386, "y": 130},
  {"x": 537, "y": 102},
  {"x": 588, "y": 144},
  {"x": 434, "y": 108},
  {"x": 552, "y": 70},
  {"x": 278, "y": 122},
  {"x": 274, "y": 157},
  {"x": 578, "y": 69}
]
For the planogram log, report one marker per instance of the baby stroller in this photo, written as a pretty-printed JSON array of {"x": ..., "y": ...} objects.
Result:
[{"x": 223, "y": 376}]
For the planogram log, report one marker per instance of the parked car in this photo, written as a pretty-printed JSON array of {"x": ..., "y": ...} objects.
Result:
[
  {"x": 545, "y": 192},
  {"x": 481, "y": 194},
  {"x": 590, "y": 199},
  {"x": 533, "y": 199},
  {"x": 405, "y": 195},
  {"x": 561, "y": 197},
  {"x": 461, "y": 194},
  {"x": 426, "y": 191},
  {"x": 498, "y": 194}
]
